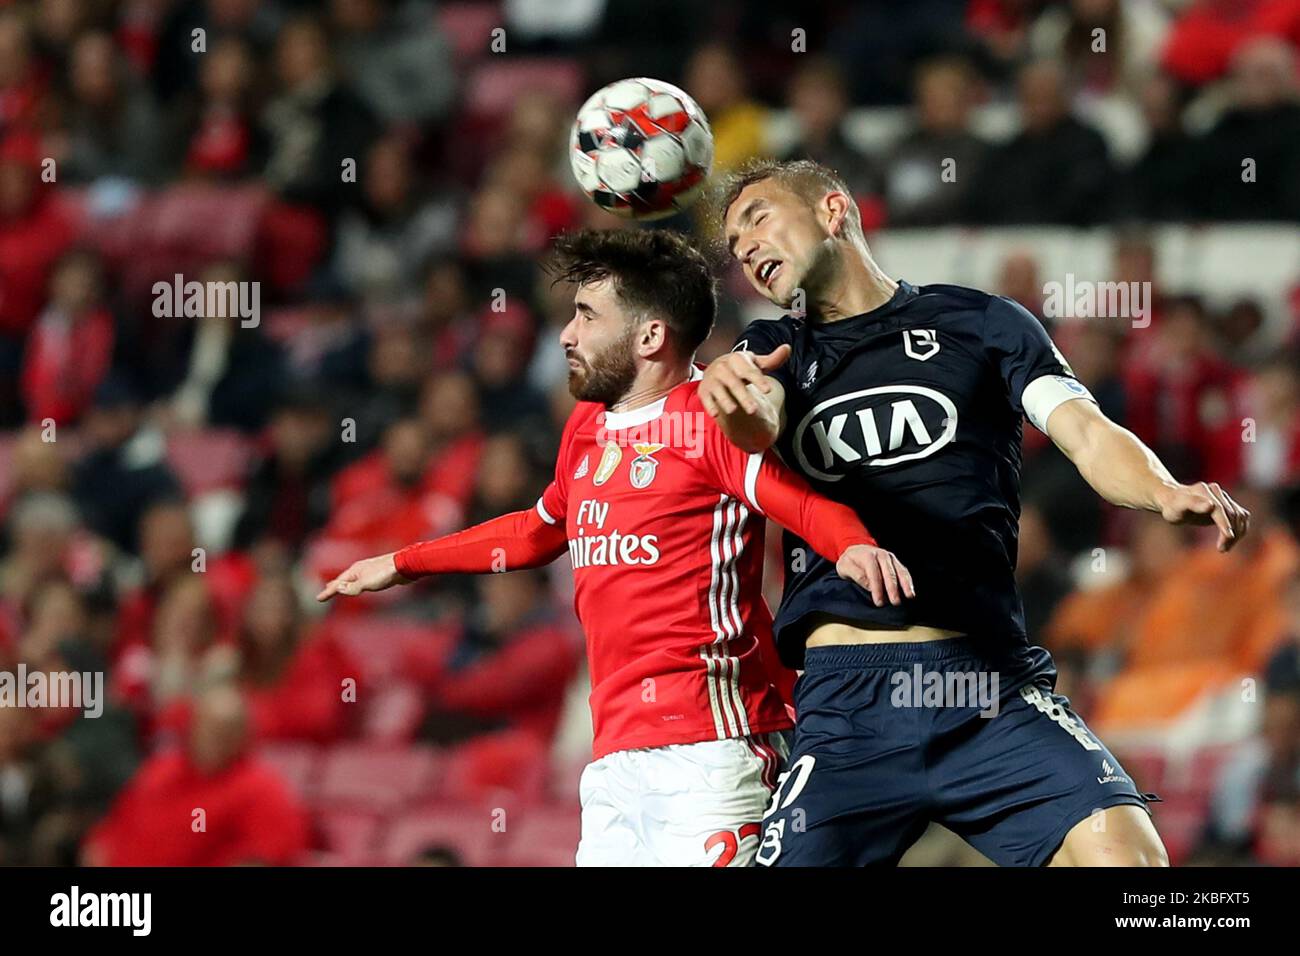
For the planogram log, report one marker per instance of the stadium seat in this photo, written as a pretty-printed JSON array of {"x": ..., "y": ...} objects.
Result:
[
  {"x": 360, "y": 776},
  {"x": 547, "y": 835},
  {"x": 349, "y": 833},
  {"x": 299, "y": 764},
  {"x": 1180, "y": 819},
  {"x": 510, "y": 764},
  {"x": 1146, "y": 767},
  {"x": 468, "y": 27},
  {"x": 393, "y": 713},
  {"x": 207, "y": 459},
  {"x": 467, "y": 828},
  {"x": 494, "y": 86},
  {"x": 384, "y": 645}
]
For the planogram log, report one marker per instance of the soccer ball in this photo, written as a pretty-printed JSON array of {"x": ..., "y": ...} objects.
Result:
[{"x": 641, "y": 148}]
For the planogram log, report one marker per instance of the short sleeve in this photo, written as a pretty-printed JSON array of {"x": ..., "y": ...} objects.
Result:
[{"x": 1036, "y": 374}]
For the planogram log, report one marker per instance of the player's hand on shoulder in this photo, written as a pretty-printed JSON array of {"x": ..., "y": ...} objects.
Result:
[
  {"x": 724, "y": 389},
  {"x": 1205, "y": 503},
  {"x": 371, "y": 574},
  {"x": 878, "y": 571}
]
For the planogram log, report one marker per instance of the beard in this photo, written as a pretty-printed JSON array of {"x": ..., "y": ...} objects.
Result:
[{"x": 608, "y": 376}]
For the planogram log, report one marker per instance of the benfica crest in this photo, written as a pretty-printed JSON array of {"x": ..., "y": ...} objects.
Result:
[{"x": 644, "y": 465}]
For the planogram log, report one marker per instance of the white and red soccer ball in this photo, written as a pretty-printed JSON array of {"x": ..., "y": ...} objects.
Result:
[{"x": 641, "y": 148}]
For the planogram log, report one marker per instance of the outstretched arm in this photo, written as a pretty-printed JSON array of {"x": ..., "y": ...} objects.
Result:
[
  {"x": 1126, "y": 473},
  {"x": 746, "y": 402},
  {"x": 512, "y": 542}
]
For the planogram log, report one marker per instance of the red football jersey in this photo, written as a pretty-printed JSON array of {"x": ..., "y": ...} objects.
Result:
[{"x": 666, "y": 539}]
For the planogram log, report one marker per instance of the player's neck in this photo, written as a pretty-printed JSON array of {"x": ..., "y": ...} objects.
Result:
[
  {"x": 651, "y": 384},
  {"x": 858, "y": 285}
]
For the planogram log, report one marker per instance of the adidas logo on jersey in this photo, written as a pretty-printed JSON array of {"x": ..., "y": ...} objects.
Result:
[{"x": 583, "y": 465}]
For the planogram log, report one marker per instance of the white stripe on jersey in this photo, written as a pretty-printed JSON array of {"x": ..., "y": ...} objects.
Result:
[
  {"x": 752, "y": 466},
  {"x": 710, "y": 671},
  {"x": 543, "y": 513},
  {"x": 725, "y": 546}
]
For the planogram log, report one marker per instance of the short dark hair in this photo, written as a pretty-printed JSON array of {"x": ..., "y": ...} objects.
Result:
[
  {"x": 654, "y": 271},
  {"x": 803, "y": 177}
]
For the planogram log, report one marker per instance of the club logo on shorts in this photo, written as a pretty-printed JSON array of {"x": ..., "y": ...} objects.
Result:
[
  {"x": 644, "y": 465},
  {"x": 608, "y": 462},
  {"x": 581, "y": 471},
  {"x": 921, "y": 344}
]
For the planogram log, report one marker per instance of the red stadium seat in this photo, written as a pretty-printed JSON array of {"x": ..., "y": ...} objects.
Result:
[
  {"x": 393, "y": 714},
  {"x": 547, "y": 835},
  {"x": 475, "y": 831},
  {"x": 507, "y": 765},
  {"x": 383, "y": 645},
  {"x": 468, "y": 27},
  {"x": 1180, "y": 819},
  {"x": 1146, "y": 767},
  {"x": 360, "y": 776},
  {"x": 207, "y": 459},
  {"x": 299, "y": 764},
  {"x": 350, "y": 833},
  {"x": 494, "y": 86}
]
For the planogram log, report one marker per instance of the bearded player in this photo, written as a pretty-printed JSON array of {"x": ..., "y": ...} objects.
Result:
[
  {"x": 662, "y": 519},
  {"x": 905, "y": 403}
]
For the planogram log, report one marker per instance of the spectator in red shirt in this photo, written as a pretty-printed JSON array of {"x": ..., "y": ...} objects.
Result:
[
  {"x": 511, "y": 668},
  {"x": 1208, "y": 32},
  {"x": 295, "y": 681},
  {"x": 34, "y": 233},
  {"x": 70, "y": 349},
  {"x": 220, "y": 134},
  {"x": 23, "y": 83},
  {"x": 450, "y": 414},
  {"x": 385, "y": 496},
  {"x": 1182, "y": 397},
  {"x": 210, "y": 804}
]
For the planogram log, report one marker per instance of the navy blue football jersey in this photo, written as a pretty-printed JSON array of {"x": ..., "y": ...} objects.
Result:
[{"x": 911, "y": 414}]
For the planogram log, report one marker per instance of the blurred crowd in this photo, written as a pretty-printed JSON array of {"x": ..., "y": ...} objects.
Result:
[{"x": 174, "y": 490}]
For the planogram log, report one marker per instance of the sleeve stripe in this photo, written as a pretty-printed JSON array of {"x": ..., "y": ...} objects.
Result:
[
  {"x": 545, "y": 515},
  {"x": 751, "y": 480},
  {"x": 1046, "y": 393}
]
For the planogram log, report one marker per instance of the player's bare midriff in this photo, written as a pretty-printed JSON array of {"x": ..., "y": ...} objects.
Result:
[{"x": 826, "y": 633}]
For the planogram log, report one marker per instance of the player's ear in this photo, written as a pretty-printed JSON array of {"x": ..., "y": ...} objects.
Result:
[
  {"x": 835, "y": 210},
  {"x": 653, "y": 337}
]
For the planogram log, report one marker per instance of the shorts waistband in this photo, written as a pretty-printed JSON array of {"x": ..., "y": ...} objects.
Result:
[{"x": 893, "y": 654}]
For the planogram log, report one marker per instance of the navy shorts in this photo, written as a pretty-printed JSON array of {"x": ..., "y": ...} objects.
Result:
[{"x": 890, "y": 737}]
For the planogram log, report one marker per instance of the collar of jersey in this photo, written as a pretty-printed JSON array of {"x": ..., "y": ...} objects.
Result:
[
  {"x": 615, "y": 421},
  {"x": 904, "y": 292}
]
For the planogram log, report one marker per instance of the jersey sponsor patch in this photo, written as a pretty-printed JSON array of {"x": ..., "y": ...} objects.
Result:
[{"x": 874, "y": 427}]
